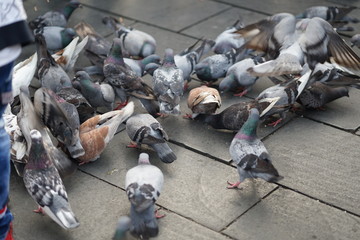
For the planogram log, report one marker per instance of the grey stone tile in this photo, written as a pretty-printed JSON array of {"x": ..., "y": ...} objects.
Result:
[
  {"x": 195, "y": 186},
  {"x": 212, "y": 27},
  {"x": 319, "y": 161},
  {"x": 343, "y": 113},
  {"x": 277, "y": 6},
  {"x": 88, "y": 197},
  {"x": 172, "y": 14},
  {"x": 355, "y": 3},
  {"x": 289, "y": 215}
]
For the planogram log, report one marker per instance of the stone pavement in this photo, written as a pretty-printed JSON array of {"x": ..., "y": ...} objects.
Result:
[{"x": 317, "y": 152}]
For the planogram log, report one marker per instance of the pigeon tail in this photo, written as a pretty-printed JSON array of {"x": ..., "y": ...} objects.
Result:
[
  {"x": 151, "y": 106},
  {"x": 164, "y": 152},
  {"x": 64, "y": 217},
  {"x": 144, "y": 224},
  {"x": 266, "y": 170},
  {"x": 147, "y": 49}
]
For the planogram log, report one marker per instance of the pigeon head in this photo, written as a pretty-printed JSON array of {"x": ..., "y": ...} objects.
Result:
[
  {"x": 169, "y": 57},
  {"x": 70, "y": 7},
  {"x": 38, "y": 157},
  {"x": 153, "y": 58},
  {"x": 67, "y": 35},
  {"x": 143, "y": 158},
  {"x": 203, "y": 71},
  {"x": 227, "y": 83},
  {"x": 248, "y": 130},
  {"x": 151, "y": 67},
  {"x": 81, "y": 75}
]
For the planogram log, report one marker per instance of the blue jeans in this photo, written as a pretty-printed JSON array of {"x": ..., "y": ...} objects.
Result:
[{"x": 5, "y": 88}]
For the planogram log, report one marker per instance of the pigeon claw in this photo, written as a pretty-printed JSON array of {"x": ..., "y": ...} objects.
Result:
[
  {"x": 274, "y": 124},
  {"x": 241, "y": 94},
  {"x": 158, "y": 215},
  {"x": 132, "y": 145},
  {"x": 187, "y": 116},
  {"x": 233, "y": 185},
  {"x": 121, "y": 105},
  {"x": 39, "y": 210}
]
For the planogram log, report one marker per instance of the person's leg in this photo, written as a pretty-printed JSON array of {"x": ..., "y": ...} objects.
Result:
[{"x": 5, "y": 215}]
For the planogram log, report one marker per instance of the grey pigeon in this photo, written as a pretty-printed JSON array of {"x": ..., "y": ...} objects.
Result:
[
  {"x": 187, "y": 59},
  {"x": 43, "y": 182},
  {"x": 211, "y": 68},
  {"x": 319, "y": 94},
  {"x": 228, "y": 40},
  {"x": 203, "y": 100},
  {"x": 57, "y": 37},
  {"x": 250, "y": 154},
  {"x": 50, "y": 74},
  {"x": 122, "y": 226},
  {"x": 233, "y": 117},
  {"x": 55, "y": 18},
  {"x": 98, "y": 95},
  {"x": 287, "y": 93},
  {"x": 28, "y": 120},
  {"x": 168, "y": 81},
  {"x": 134, "y": 42},
  {"x": 138, "y": 66},
  {"x": 143, "y": 185},
  {"x": 97, "y": 47},
  {"x": 125, "y": 81},
  {"x": 355, "y": 40},
  {"x": 237, "y": 77},
  {"x": 61, "y": 118},
  {"x": 145, "y": 129},
  {"x": 329, "y": 13}
]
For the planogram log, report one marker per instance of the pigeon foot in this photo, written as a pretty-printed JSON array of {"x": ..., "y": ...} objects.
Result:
[
  {"x": 158, "y": 215},
  {"x": 233, "y": 185},
  {"x": 39, "y": 210},
  {"x": 274, "y": 124}
]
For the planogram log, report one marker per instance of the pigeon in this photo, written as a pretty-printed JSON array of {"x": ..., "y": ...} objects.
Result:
[
  {"x": 238, "y": 77},
  {"x": 18, "y": 142},
  {"x": 55, "y": 18},
  {"x": 125, "y": 81},
  {"x": 134, "y": 42},
  {"x": 287, "y": 93},
  {"x": 329, "y": 13},
  {"x": 151, "y": 67},
  {"x": 67, "y": 57},
  {"x": 83, "y": 107},
  {"x": 138, "y": 66},
  {"x": 97, "y": 47},
  {"x": 28, "y": 120},
  {"x": 98, "y": 95},
  {"x": 228, "y": 40},
  {"x": 123, "y": 225},
  {"x": 355, "y": 40},
  {"x": 211, "y": 68},
  {"x": 63, "y": 125},
  {"x": 23, "y": 73},
  {"x": 168, "y": 82},
  {"x": 203, "y": 100},
  {"x": 51, "y": 75},
  {"x": 145, "y": 129},
  {"x": 250, "y": 154},
  {"x": 143, "y": 185},
  {"x": 44, "y": 184},
  {"x": 187, "y": 59},
  {"x": 233, "y": 117},
  {"x": 56, "y": 37},
  {"x": 319, "y": 94},
  {"x": 98, "y": 131}
]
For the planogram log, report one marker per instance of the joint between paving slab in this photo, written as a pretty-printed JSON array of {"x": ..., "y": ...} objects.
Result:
[
  {"x": 319, "y": 200},
  {"x": 83, "y": 171},
  {"x": 241, "y": 7},
  {"x": 352, "y": 131},
  {"x": 200, "y": 152},
  {"x": 204, "y": 19}
]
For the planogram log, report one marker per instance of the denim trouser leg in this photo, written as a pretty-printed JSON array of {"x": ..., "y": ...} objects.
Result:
[{"x": 5, "y": 215}]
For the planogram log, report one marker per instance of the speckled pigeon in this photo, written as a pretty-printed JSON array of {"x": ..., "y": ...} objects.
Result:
[
  {"x": 55, "y": 18},
  {"x": 143, "y": 185},
  {"x": 249, "y": 153},
  {"x": 145, "y": 129},
  {"x": 43, "y": 182},
  {"x": 168, "y": 81}
]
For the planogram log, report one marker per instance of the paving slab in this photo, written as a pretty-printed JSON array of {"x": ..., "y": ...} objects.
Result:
[
  {"x": 286, "y": 214},
  {"x": 355, "y": 3},
  {"x": 215, "y": 25},
  {"x": 343, "y": 113},
  {"x": 318, "y": 160},
  {"x": 277, "y": 6},
  {"x": 172, "y": 14},
  {"x": 195, "y": 186},
  {"x": 97, "y": 206}
]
